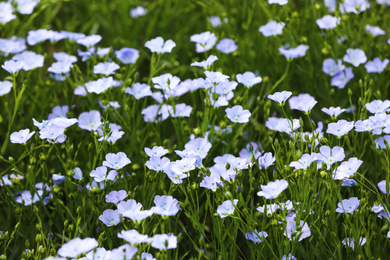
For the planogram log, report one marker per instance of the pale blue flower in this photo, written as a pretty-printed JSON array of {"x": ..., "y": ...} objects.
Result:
[
  {"x": 110, "y": 217},
  {"x": 280, "y": 97},
  {"x": 99, "y": 254},
  {"x": 350, "y": 242},
  {"x": 164, "y": 241},
  {"x": 159, "y": 46},
  {"x": 100, "y": 85},
  {"x": 157, "y": 164},
  {"x": 256, "y": 237},
  {"x": 30, "y": 60},
  {"x": 165, "y": 205},
  {"x": 272, "y": 28},
  {"x": 331, "y": 68},
  {"x": 89, "y": 41},
  {"x": 211, "y": 182},
  {"x": 139, "y": 90},
  {"x": 106, "y": 68},
  {"x": 206, "y": 63},
  {"x": 383, "y": 2},
  {"x": 60, "y": 67},
  {"x": 198, "y": 147},
  {"x": 248, "y": 79},
  {"x": 77, "y": 246},
  {"x": 266, "y": 160},
  {"x": 215, "y": 77},
  {"x": 183, "y": 166},
  {"x": 12, "y": 45},
  {"x": 268, "y": 208},
  {"x": 334, "y": 112},
  {"x": 90, "y": 120},
  {"x": 303, "y": 162},
  {"x": 279, "y": 2},
  {"x": 95, "y": 184},
  {"x": 215, "y": 21},
  {"x": 374, "y": 30},
  {"x": 382, "y": 187},
  {"x": 111, "y": 105},
  {"x": 226, "y": 87},
  {"x": 156, "y": 151},
  {"x": 80, "y": 91},
  {"x": 139, "y": 11},
  {"x": 227, "y": 208},
  {"x": 114, "y": 133},
  {"x": 293, "y": 233},
  {"x": 51, "y": 132},
  {"x": 28, "y": 198},
  {"x": 376, "y": 66},
  {"x": 6, "y": 179},
  {"x": 22, "y": 136},
  {"x": 204, "y": 41},
  {"x": 348, "y": 205},
  {"x": 6, "y": 12},
  {"x": 293, "y": 53},
  {"x": 58, "y": 112},
  {"x": 272, "y": 189},
  {"x": 5, "y": 87},
  {"x": 288, "y": 257},
  {"x": 182, "y": 110},
  {"x": 365, "y": 125},
  {"x": 151, "y": 114},
  {"x": 116, "y": 196},
  {"x": 331, "y": 156},
  {"x": 26, "y": 6},
  {"x": 125, "y": 252},
  {"x": 133, "y": 237},
  {"x": 63, "y": 122},
  {"x": 355, "y": 57},
  {"x": 78, "y": 174},
  {"x": 116, "y": 161},
  {"x": 282, "y": 124},
  {"x": 342, "y": 78},
  {"x": 328, "y": 22},
  {"x": 348, "y": 183},
  {"x": 347, "y": 169},
  {"x": 128, "y": 206},
  {"x": 59, "y": 77},
  {"x": 41, "y": 35},
  {"x": 227, "y": 46},
  {"x": 101, "y": 52},
  {"x": 12, "y": 66},
  {"x": 127, "y": 55},
  {"x": 354, "y": 6},
  {"x": 237, "y": 114},
  {"x": 147, "y": 256},
  {"x": 340, "y": 128},
  {"x": 382, "y": 141},
  {"x": 58, "y": 179},
  {"x": 72, "y": 36},
  {"x": 138, "y": 215},
  {"x": 100, "y": 174},
  {"x": 377, "y": 106},
  {"x": 302, "y": 102},
  {"x": 166, "y": 82}
]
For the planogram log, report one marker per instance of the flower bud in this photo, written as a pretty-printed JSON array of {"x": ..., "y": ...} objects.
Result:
[
  {"x": 135, "y": 166},
  {"x": 95, "y": 190},
  {"x": 38, "y": 238}
]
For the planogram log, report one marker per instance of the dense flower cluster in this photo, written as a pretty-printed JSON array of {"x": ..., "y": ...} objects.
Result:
[{"x": 127, "y": 161}]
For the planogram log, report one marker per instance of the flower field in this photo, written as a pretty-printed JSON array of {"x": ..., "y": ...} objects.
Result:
[{"x": 194, "y": 129}]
